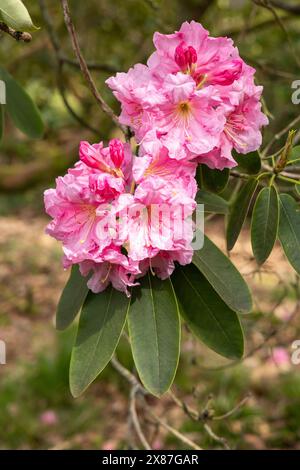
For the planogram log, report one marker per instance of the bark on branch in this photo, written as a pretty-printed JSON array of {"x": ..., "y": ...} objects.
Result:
[
  {"x": 84, "y": 68},
  {"x": 17, "y": 35}
]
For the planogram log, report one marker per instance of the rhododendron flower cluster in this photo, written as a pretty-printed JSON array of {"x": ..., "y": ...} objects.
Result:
[
  {"x": 196, "y": 95},
  {"x": 118, "y": 214}
]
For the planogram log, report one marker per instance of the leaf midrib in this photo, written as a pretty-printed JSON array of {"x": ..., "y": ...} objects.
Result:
[
  {"x": 87, "y": 371},
  {"x": 241, "y": 214},
  {"x": 156, "y": 330},
  {"x": 203, "y": 301},
  {"x": 225, "y": 287},
  {"x": 290, "y": 225},
  {"x": 267, "y": 219}
]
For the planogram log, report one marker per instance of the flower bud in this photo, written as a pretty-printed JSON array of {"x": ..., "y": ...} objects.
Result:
[
  {"x": 191, "y": 55},
  {"x": 88, "y": 155},
  {"x": 185, "y": 56},
  {"x": 116, "y": 151}
]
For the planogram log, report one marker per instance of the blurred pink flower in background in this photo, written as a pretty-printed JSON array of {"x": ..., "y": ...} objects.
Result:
[
  {"x": 49, "y": 418},
  {"x": 281, "y": 357}
]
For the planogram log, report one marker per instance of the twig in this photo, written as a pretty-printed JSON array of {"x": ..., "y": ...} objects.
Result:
[
  {"x": 284, "y": 173},
  {"x": 257, "y": 27},
  {"x": 234, "y": 410},
  {"x": 131, "y": 379},
  {"x": 267, "y": 4},
  {"x": 138, "y": 388},
  {"x": 172, "y": 430},
  {"x": 207, "y": 414},
  {"x": 57, "y": 47},
  {"x": 134, "y": 417},
  {"x": 84, "y": 68},
  {"x": 17, "y": 35},
  {"x": 91, "y": 65},
  {"x": 190, "y": 412},
  {"x": 280, "y": 134},
  {"x": 295, "y": 9},
  {"x": 266, "y": 68},
  {"x": 59, "y": 68},
  {"x": 215, "y": 437}
]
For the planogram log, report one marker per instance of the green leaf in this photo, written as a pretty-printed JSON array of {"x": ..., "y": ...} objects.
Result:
[
  {"x": 289, "y": 230},
  {"x": 72, "y": 299},
  {"x": 21, "y": 108},
  {"x": 238, "y": 212},
  {"x": 212, "y": 202},
  {"x": 209, "y": 318},
  {"x": 100, "y": 326},
  {"x": 223, "y": 276},
  {"x": 214, "y": 180},
  {"x": 15, "y": 14},
  {"x": 1, "y": 121},
  {"x": 297, "y": 189},
  {"x": 250, "y": 163},
  {"x": 264, "y": 226},
  {"x": 154, "y": 330}
]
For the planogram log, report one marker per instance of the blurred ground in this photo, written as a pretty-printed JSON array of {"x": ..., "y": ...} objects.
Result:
[{"x": 37, "y": 410}]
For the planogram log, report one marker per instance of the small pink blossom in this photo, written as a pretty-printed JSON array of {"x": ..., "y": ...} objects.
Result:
[
  {"x": 280, "y": 357},
  {"x": 49, "y": 418}
]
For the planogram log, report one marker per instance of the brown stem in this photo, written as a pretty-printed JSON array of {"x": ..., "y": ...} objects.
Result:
[
  {"x": 295, "y": 9},
  {"x": 135, "y": 419},
  {"x": 84, "y": 68},
  {"x": 17, "y": 35},
  {"x": 59, "y": 68}
]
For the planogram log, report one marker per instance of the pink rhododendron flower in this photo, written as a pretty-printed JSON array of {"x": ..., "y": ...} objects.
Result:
[
  {"x": 111, "y": 227},
  {"x": 156, "y": 162},
  {"x": 163, "y": 264},
  {"x": 118, "y": 215},
  {"x": 244, "y": 119},
  {"x": 81, "y": 200},
  {"x": 196, "y": 95},
  {"x": 74, "y": 211},
  {"x": 156, "y": 218},
  {"x": 111, "y": 165},
  {"x": 115, "y": 268},
  {"x": 210, "y": 61},
  {"x": 189, "y": 122},
  {"x": 137, "y": 91}
]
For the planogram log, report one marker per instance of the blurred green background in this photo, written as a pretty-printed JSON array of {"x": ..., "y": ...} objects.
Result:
[{"x": 36, "y": 408}]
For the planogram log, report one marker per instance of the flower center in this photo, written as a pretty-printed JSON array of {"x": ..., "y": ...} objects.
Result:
[
  {"x": 233, "y": 127},
  {"x": 184, "y": 108}
]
